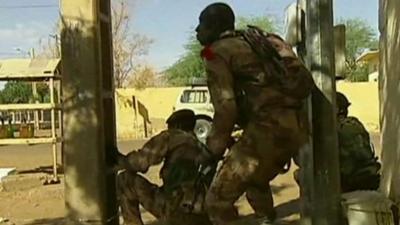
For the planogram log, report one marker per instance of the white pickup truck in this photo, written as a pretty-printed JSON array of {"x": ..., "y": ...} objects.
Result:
[{"x": 197, "y": 98}]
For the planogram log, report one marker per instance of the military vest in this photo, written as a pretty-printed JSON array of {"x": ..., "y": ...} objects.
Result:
[{"x": 356, "y": 153}]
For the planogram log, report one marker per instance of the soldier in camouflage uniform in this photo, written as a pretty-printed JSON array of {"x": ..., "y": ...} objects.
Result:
[
  {"x": 273, "y": 129},
  {"x": 178, "y": 201},
  {"x": 359, "y": 167}
]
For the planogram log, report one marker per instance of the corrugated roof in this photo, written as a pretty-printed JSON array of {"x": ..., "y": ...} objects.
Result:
[{"x": 28, "y": 68}]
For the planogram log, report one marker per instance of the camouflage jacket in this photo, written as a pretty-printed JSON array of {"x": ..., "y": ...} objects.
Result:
[
  {"x": 240, "y": 86},
  {"x": 355, "y": 149},
  {"x": 177, "y": 149}
]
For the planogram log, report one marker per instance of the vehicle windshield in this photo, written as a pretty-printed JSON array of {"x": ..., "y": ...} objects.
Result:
[{"x": 194, "y": 96}]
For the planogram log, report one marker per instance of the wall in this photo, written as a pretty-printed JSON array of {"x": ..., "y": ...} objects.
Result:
[
  {"x": 373, "y": 65},
  {"x": 389, "y": 91},
  {"x": 158, "y": 102},
  {"x": 365, "y": 102}
]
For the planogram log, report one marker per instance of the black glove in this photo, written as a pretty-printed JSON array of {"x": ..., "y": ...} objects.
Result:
[{"x": 120, "y": 161}]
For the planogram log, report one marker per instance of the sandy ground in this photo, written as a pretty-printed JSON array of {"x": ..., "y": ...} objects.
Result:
[{"x": 45, "y": 204}]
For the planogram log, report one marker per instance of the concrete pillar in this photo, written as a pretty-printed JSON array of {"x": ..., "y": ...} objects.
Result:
[
  {"x": 321, "y": 62},
  {"x": 389, "y": 94},
  {"x": 89, "y": 123}
]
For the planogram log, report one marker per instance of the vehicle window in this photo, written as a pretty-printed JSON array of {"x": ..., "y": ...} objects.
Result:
[{"x": 194, "y": 96}]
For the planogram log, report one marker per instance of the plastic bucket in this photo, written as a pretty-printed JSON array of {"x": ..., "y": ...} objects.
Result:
[{"x": 369, "y": 208}]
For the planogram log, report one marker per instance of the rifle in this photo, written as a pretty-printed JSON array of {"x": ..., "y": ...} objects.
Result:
[{"x": 201, "y": 182}]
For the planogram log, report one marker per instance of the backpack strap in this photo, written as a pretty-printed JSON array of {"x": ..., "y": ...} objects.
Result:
[{"x": 258, "y": 41}]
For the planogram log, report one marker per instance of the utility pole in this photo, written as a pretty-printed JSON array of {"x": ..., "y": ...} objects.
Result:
[
  {"x": 35, "y": 94},
  {"x": 88, "y": 117},
  {"x": 58, "y": 85},
  {"x": 321, "y": 62},
  {"x": 32, "y": 53},
  {"x": 57, "y": 46}
]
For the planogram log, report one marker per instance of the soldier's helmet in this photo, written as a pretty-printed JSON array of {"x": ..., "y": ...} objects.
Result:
[
  {"x": 341, "y": 101},
  {"x": 184, "y": 119}
]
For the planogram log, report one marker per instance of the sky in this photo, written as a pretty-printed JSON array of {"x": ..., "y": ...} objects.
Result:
[{"x": 23, "y": 23}]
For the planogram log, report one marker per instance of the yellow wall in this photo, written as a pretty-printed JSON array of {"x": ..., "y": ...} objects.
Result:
[
  {"x": 365, "y": 102},
  {"x": 373, "y": 65},
  {"x": 372, "y": 62},
  {"x": 159, "y": 102}
]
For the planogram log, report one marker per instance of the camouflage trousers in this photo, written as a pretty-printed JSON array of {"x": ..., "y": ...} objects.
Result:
[
  {"x": 350, "y": 183},
  {"x": 135, "y": 190},
  {"x": 260, "y": 155}
]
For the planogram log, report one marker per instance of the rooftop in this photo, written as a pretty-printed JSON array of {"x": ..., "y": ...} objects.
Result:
[{"x": 14, "y": 69}]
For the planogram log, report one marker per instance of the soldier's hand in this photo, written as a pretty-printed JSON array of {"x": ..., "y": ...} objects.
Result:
[{"x": 121, "y": 161}]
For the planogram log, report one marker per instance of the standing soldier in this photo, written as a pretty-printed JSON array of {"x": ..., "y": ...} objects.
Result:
[
  {"x": 180, "y": 199},
  {"x": 256, "y": 81}
]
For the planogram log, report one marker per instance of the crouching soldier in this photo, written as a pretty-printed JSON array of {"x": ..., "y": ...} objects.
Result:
[
  {"x": 180, "y": 199},
  {"x": 359, "y": 167}
]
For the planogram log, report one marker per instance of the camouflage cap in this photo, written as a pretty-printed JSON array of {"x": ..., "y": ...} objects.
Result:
[
  {"x": 181, "y": 115},
  {"x": 341, "y": 101}
]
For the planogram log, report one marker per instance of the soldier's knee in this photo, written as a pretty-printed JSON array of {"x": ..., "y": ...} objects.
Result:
[{"x": 215, "y": 203}]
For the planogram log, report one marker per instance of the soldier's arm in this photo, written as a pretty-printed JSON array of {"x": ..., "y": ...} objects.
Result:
[
  {"x": 356, "y": 139},
  {"x": 220, "y": 84},
  {"x": 152, "y": 153}
]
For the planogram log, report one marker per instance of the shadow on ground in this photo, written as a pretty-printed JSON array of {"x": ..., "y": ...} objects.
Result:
[
  {"x": 53, "y": 221},
  {"x": 43, "y": 169},
  {"x": 284, "y": 210}
]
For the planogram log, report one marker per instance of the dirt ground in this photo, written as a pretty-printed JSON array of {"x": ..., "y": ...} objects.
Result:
[{"x": 44, "y": 204}]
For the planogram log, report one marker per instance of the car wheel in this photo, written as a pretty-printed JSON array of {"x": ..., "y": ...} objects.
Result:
[{"x": 202, "y": 129}]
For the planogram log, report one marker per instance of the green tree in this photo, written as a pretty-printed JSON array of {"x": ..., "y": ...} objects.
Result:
[
  {"x": 16, "y": 92},
  {"x": 43, "y": 92},
  {"x": 190, "y": 65},
  {"x": 359, "y": 36},
  {"x": 21, "y": 92},
  {"x": 266, "y": 23}
]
